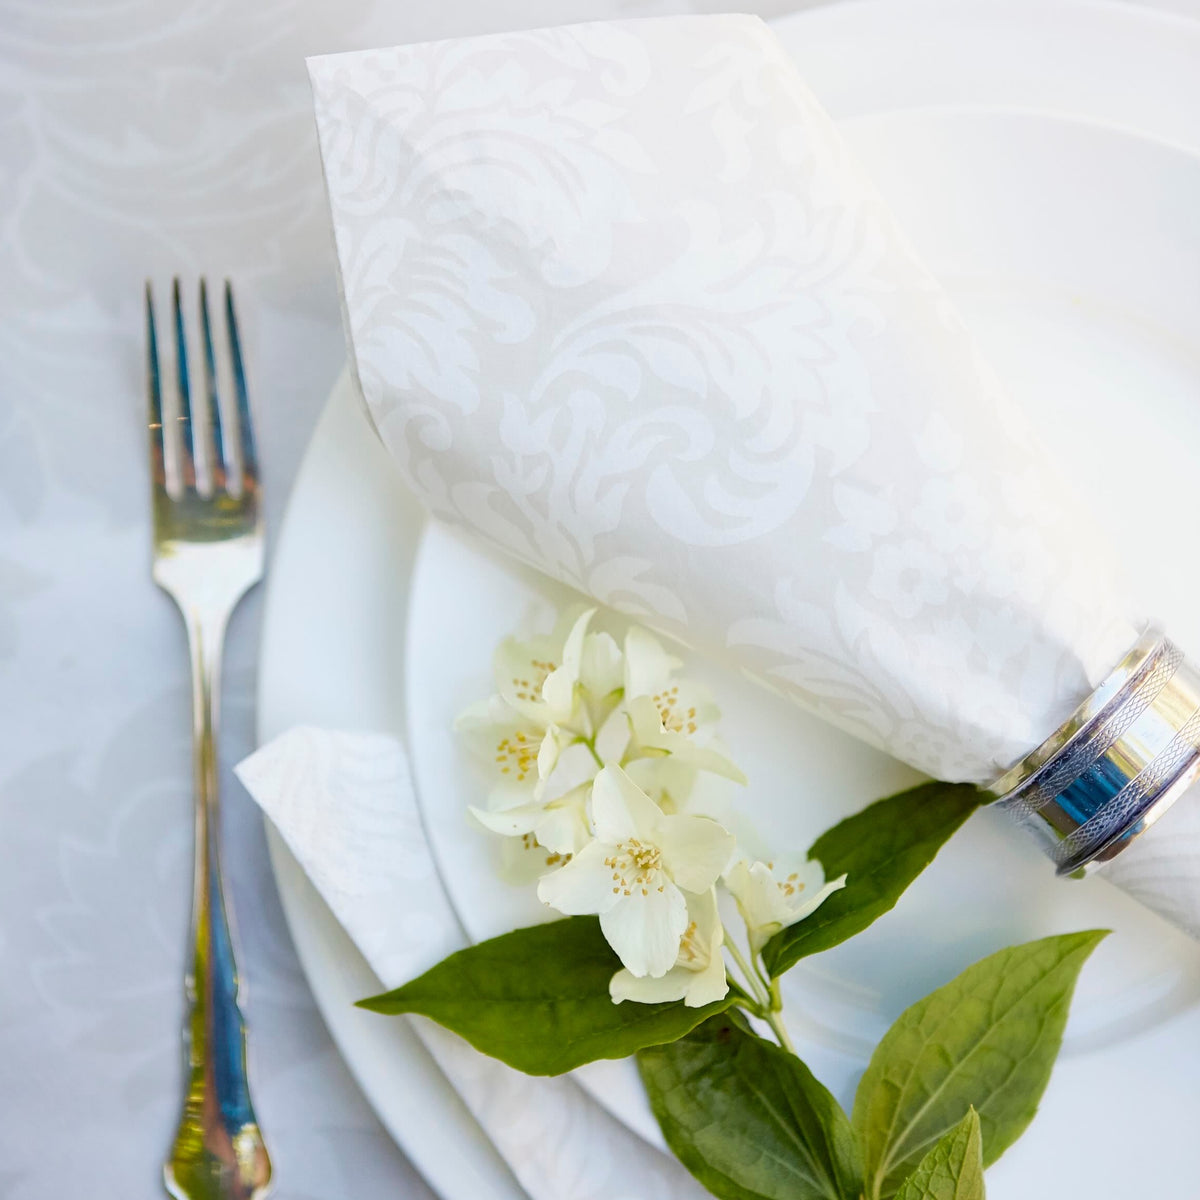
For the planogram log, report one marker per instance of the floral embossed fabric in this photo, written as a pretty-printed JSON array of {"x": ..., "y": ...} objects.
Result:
[{"x": 620, "y": 301}]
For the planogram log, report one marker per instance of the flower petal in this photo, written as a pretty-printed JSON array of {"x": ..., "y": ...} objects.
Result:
[
  {"x": 519, "y": 675},
  {"x": 510, "y": 822},
  {"x": 817, "y": 898},
  {"x": 620, "y": 809},
  {"x": 487, "y": 722},
  {"x": 695, "y": 850},
  {"x": 736, "y": 876},
  {"x": 558, "y": 691},
  {"x": 482, "y": 713},
  {"x": 612, "y": 736},
  {"x": 703, "y": 911},
  {"x": 583, "y": 886},
  {"x": 758, "y": 897},
  {"x": 523, "y": 861},
  {"x": 646, "y": 724},
  {"x": 665, "y": 779},
  {"x": 645, "y": 989},
  {"x": 713, "y": 759},
  {"x": 694, "y": 704},
  {"x": 644, "y": 720},
  {"x": 507, "y": 743},
  {"x": 602, "y": 667},
  {"x": 771, "y": 897},
  {"x": 563, "y": 825},
  {"x": 648, "y": 666},
  {"x": 549, "y": 751},
  {"x": 707, "y": 986},
  {"x": 644, "y": 929}
]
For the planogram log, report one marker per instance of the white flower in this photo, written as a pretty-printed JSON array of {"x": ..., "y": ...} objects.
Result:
[
  {"x": 524, "y": 860},
  {"x": 538, "y": 678},
  {"x": 521, "y": 732},
  {"x": 560, "y": 825},
  {"x": 571, "y": 678},
  {"x": 539, "y": 836},
  {"x": 666, "y": 780},
  {"x": 601, "y": 677},
  {"x": 520, "y": 753},
  {"x": 633, "y": 873},
  {"x": 698, "y": 976},
  {"x": 648, "y": 667},
  {"x": 773, "y": 896},
  {"x": 665, "y": 714}
]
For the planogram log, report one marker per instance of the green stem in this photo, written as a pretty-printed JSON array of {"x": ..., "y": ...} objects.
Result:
[
  {"x": 775, "y": 1021},
  {"x": 590, "y": 743},
  {"x": 767, "y": 999},
  {"x": 748, "y": 1005},
  {"x": 776, "y": 997},
  {"x": 750, "y": 975},
  {"x": 767, "y": 984}
]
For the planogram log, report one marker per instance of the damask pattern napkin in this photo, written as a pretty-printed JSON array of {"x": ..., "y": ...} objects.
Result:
[
  {"x": 620, "y": 301},
  {"x": 345, "y": 806}
]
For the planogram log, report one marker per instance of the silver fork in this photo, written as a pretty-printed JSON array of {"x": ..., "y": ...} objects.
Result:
[{"x": 208, "y": 552}]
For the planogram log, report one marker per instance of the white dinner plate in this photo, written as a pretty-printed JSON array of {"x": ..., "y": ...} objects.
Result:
[{"x": 341, "y": 571}]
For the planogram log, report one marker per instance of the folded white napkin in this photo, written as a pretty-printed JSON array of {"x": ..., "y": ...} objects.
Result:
[
  {"x": 619, "y": 301},
  {"x": 345, "y": 806}
]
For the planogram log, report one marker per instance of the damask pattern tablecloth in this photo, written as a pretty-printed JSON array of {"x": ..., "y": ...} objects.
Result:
[{"x": 147, "y": 138}]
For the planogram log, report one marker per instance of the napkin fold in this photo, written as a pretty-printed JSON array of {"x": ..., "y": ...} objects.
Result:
[
  {"x": 345, "y": 806},
  {"x": 620, "y": 301}
]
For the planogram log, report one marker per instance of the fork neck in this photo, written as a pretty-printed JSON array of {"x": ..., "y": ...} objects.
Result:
[{"x": 205, "y": 639}]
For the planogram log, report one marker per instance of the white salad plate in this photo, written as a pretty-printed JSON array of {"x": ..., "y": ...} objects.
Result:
[{"x": 1038, "y": 156}]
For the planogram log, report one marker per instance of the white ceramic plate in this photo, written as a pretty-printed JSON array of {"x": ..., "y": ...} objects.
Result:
[{"x": 340, "y": 575}]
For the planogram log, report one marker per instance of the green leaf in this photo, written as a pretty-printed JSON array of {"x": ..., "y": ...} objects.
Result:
[
  {"x": 953, "y": 1169},
  {"x": 749, "y": 1120},
  {"x": 988, "y": 1038},
  {"x": 882, "y": 850},
  {"x": 538, "y": 1000}
]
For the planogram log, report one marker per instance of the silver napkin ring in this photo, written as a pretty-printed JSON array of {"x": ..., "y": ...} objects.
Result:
[{"x": 1121, "y": 760}]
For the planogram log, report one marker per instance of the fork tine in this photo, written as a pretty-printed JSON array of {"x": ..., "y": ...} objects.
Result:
[
  {"x": 218, "y": 457},
  {"x": 249, "y": 452},
  {"x": 187, "y": 440},
  {"x": 158, "y": 458}
]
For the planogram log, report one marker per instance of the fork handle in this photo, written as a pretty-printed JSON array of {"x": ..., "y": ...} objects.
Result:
[{"x": 218, "y": 1152}]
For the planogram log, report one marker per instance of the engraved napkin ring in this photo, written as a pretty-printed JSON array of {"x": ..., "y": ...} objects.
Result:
[{"x": 1120, "y": 761}]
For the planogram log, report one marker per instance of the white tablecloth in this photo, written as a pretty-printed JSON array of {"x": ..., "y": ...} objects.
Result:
[{"x": 147, "y": 138}]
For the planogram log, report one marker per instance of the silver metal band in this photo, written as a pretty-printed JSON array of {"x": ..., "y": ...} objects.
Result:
[{"x": 1117, "y": 764}]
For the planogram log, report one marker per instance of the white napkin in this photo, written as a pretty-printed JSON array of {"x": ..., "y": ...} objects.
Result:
[
  {"x": 345, "y": 806},
  {"x": 619, "y": 300},
  {"x": 1162, "y": 868}
]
